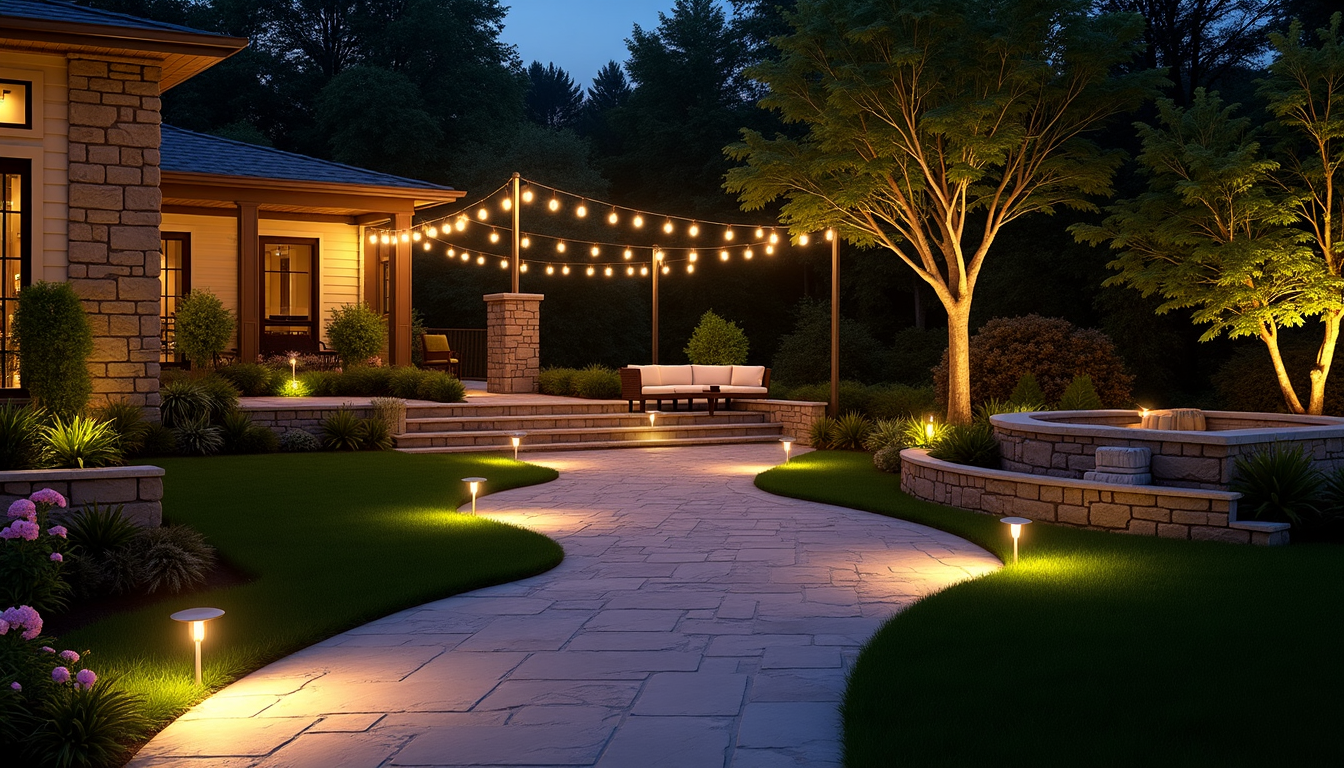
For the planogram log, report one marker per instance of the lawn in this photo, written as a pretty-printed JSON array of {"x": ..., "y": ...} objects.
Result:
[
  {"x": 1096, "y": 650},
  {"x": 332, "y": 540}
]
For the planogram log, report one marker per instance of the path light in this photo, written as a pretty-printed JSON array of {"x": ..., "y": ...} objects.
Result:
[
  {"x": 196, "y": 618},
  {"x": 788, "y": 447},
  {"x": 474, "y": 483},
  {"x": 928, "y": 430},
  {"x": 293, "y": 368},
  {"x": 1015, "y": 525},
  {"x": 517, "y": 439},
  {"x": 653, "y": 416}
]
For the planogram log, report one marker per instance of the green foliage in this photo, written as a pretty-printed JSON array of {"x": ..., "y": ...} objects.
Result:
[
  {"x": 993, "y": 407},
  {"x": 233, "y": 430},
  {"x": 405, "y": 383},
  {"x": 97, "y": 529},
  {"x": 557, "y": 381},
  {"x": 914, "y": 354},
  {"x": 819, "y": 434},
  {"x": 20, "y": 436},
  {"x": 888, "y": 459},
  {"x": 357, "y": 333},
  {"x": 172, "y": 558},
  {"x": 390, "y": 411},
  {"x": 182, "y": 400},
  {"x": 973, "y": 444},
  {"x": 417, "y": 330},
  {"x": 79, "y": 442},
  {"x": 299, "y": 441},
  {"x": 923, "y": 433},
  {"x": 54, "y": 339},
  {"x": 1246, "y": 380},
  {"x": 28, "y": 574},
  {"x": 877, "y": 401},
  {"x": 885, "y": 432},
  {"x": 1279, "y": 484},
  {"x": 159, "y": 441},
  {"x": 89, "y": 728},
  {"x": 197, "y": 437},
  {"x": 375, "y": 435},
  {"x": 1080, "y": 396},
  {"x": 343, "y": 431},
  {"x": 204, "y": 327},
  {"x": 253, "y": 379},
  {"x": 128, "y": 422},
  {"x": 804, "y": 355},
  {"x": 258, "y": 439},
  {"x": 401, "y": 138},
  {"x": 597, "y": 382},
  {"x": 440, "y": 387},
  {"x": 362, "y": 381},
  {"x": 716, "y": 341},
  {"x": 850, "y": 432},
  {"x": 1027, "y": 393}
]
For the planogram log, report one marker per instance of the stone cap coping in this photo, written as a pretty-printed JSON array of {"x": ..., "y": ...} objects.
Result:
[
  {"x": 776, "y": 402},
  {"x": 100, "y": 473},
  {"x": 514, "y": 296},
  {"x": 920, "y": 457},
  {"x": 1258, "y": 526},
  {"x": 1295, "y": 427}
]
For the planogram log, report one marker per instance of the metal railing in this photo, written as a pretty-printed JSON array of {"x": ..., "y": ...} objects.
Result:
[{"x": 470, "y": 348}]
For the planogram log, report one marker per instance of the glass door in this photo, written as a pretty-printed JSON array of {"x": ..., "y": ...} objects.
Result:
[
  {"x": 289, "y": 296},
  {"x": 15, "y": 204},
  {"x": 174, "y": 281}
]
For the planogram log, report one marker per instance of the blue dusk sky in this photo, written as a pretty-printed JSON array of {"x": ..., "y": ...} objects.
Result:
[{"x": 579, "y": 36}]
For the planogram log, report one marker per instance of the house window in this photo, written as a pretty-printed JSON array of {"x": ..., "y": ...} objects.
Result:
[
  {"x": 16, "y": 104},
  {"x": 174, "y": 281},
  {"x": 15, "y": 204},
  {"x": 289, "y": 298}
]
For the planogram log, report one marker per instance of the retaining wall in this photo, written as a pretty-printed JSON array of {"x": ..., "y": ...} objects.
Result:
[
  {"x": 796, "y": 415},
  {"x": 138, "y": 488},
  {"x": 1144, "y": 510},
  {"x": 281, "y": 419}
]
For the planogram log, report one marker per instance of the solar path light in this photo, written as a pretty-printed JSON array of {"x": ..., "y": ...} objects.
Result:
[
  {"x": 1015, "y": 526},
  {"x": 196, "y": 618},
  {"x": 474, "y": 483}
]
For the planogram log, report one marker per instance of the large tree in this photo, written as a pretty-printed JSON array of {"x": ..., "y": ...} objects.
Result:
[
  {"x": 932, "y": 124},
  {"x": 553, "y": 100},
  {"x": 1245, "y": 226}
]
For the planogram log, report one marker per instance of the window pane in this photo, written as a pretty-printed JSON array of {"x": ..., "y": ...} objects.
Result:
[
  {"x": 11, "y": 272},
  {"x": 289, "y": 286}
]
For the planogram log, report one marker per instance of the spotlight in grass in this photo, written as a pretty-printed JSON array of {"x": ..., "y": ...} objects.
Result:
[
  {"x": 517, "y": 439},
  {"x": 196, "y": 618},
  {"x": 1015, "y": 526},
  {"x": 788, "y": 447},
  {"x": 474, "y": 483}
]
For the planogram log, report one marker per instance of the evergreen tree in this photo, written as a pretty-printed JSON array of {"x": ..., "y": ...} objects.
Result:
[{"x": 553, "y": 100}]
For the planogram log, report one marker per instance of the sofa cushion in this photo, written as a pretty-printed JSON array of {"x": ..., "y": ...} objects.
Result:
[
  {"x": 659, "y": 390},
  {"x": 648, "y": 375},
  {"x": 712, "y": 374},
  {"x": 691, "y": 389},
  {"x": 735, "y": 390},
  {"x": 675, "y": 374},
  {"x": 747, "y": 375}
]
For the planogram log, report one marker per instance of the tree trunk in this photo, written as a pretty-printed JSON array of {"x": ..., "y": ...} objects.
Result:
[
  {"x": 1324, "y": 358},
  {"x": 959, "y": 362},
  {"x": 1271, "y": 340}
]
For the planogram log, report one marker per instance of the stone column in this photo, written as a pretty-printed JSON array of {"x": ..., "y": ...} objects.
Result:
[
  {"x": 114, "y": 223},
  {"x": 513, "y": 342}
]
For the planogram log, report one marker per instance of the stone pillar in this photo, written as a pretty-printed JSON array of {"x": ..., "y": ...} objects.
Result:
[
  {"x": 114, "y": 223},
  {"x": 513, "y": 342}
]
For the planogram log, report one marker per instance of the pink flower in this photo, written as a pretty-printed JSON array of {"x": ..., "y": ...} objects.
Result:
[
  {"x": 23, "y": 508},
  {"x": 48, "y": 496},
  {"x": 48, "y": 649},
  {"x": 15, "y": 685},
  {"x": 70, "y": 656},
  {"x": 58, "y": 530},
  {"x": 85, "y": 679},
  {"x": 24, "y": 616},
  {"x": 4, "y": 627},
  {"x": 21, "y": 529},
  {"x": 60, "y": 675},
  {"x": 56, "y": 557}
]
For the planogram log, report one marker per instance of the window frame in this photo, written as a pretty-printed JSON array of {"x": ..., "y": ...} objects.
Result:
[
  {"x": 27, "y": 125},
  {"x": 315, "y": 289},
  {"x": 23, "y": 167},
  {"x": 184, "y": 287}
]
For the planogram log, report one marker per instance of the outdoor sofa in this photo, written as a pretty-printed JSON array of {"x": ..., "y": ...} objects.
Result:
[{"x": 711, "y": 383}]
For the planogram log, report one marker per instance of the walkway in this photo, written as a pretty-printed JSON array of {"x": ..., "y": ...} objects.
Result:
[{"x": 696, "y": 621}]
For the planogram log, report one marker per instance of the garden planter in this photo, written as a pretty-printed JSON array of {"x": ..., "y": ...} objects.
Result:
[{"x": 138, "y": 488}]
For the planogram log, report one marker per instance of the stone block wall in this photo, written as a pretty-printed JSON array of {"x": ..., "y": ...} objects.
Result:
[
  {"x": 138, "y": 489},
  {"x": 114, "y": 222},
  {"x": 281, "y": 419},
  {"x": 1173, "y": 513},
  {"x": 513, "y": 342},
  {"x": 796, "y": 415}
]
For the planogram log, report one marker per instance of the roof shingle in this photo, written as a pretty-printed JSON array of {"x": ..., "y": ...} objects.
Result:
[{"x": 56, "y": 10}]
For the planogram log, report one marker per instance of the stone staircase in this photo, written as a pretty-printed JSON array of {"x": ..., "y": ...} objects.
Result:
[{"x": 458, "y": 427}]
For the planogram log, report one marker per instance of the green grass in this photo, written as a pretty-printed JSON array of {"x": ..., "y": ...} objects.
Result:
[
  {"x": 333, "y": 540},
  {"x": 1097, "y": 650}
]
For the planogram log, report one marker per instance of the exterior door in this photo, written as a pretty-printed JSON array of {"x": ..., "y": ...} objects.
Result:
[
  {"x": 175, "y": 282},
  {"x": 289, "y": 303}
]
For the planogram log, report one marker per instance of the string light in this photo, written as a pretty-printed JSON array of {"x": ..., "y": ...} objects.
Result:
[
  {"x": 667, "y": 227},
  {"x": 612, "y": 218},
  {"x": 503, "y": 263},
  {"x": 769, "y": 250},
  {"x": 692, "y": 256},
  {"x": 467, "y": 257},
  {"x": 746, "y": 254},
  {"x": 638, "y": 221},
  {"x": 522, "y": 267},
  {"x": 607, "y": 272},
  {"x": 433, "y": 231},
  {"x": 494, "y": 236},
  {"x": 774, "y": 238},
  {"x": 461, "y": 224},
  {"x": 658, "y": 255},
  {"x": 582, "y": 210},
  {"x": 595, "y": 251},
  {"x": 830, "y": 235},
  {"x": 690, "y": 269},
  {"x": 694, "y": 230},
  {"x": 481, "y": 261},
  {"x": 564, "y": 270},
  {"x": 628, "y": 254},
  {"x": 405, "y": 238},
  {"x": 592, "y": 271},
  {"x": 526, "y": 242},
  {"x": 643, "y": 271},
  {"x": 723, "y": 255},
  {"x": 560, "y": 246},
  {"x": 452, "y": 252},
  {"x": 554, "y": 205},
  {"x": 482, "y": 213},
  {"x": 803, "y": 239},
  {"x": 427, "y": 245},
  {"x": 550, "y": 270},
  {"x": 666, "y": 269},
  {"x": 630, "y": 271},
  {"x": 506, "y": 203},
  {"x": 727, "y": 234},
  {"x": 527, "y": 194},
  {"x": 386, "y": 238},
  {"x": 760, "y": 233},
  {"x": 373, "y": 239}
]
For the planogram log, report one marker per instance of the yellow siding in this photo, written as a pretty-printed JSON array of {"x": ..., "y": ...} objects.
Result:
[{"x": 46, "y": 146}]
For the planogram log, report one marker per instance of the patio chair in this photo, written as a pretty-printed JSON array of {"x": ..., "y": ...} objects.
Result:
[{"x": 438, "y": 354}]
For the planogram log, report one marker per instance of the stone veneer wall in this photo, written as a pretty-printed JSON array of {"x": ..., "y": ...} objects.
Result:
[
  {"x": 139, "y": 489},
  {"x": 513, "y": 342},
  {"x": 1185, "y": 460},
  {"x": 796, "y": 415},
  {"x": 282, "y": 419},
  {"x": 1145, "y": 510},
  {"x": 114, "y": 222}
]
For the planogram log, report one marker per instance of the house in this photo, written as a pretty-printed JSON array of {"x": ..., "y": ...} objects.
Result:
[{"x": 134, "y": 213}]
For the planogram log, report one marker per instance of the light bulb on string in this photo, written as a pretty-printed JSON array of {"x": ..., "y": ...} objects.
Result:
[
  {"x": 482, "y": 213},
  {"x": 592, "y": 271},
  {"x": 526, "y": 242},
  {"x": 774, "y": 238},
  {"x": 723, "y": 255},
  {"x": 373, "y": 239},
  {"x": 643, "y": 271},
  {"x": 433, "y": 231},
  {"x": 638, "y": 221},
  {"x": 494, "y": 236},
  {"x": 564, "y": 270},
  {"x": 769, "y": 250},
  {"x": 554, "y": 205},
  {"x": 667, "y": 226},
  {"x": 830, "y": 235},
  {"x": 480, "y": 260},
  {"x": 728, "y": 234},
  {"x": 760, "y": 233},
  {"x": 560, "y": 246},
  {"x": 503, "y": 263},
  {"x": 385, "y": 238},
  {"x": 466, "y": 256},
  {"x": 694, "y": 230},
  {"x": 690, "y": 269},
  {"x": 461, "y": 224},
  {"x": 506, "y": 203},
  {"x": 582, "y": 210},
  {"x": 803, "y": 239},
  {"x": 550, "y": 270},
  {"x": 628, "y": 254},
  {"x": 746, "y": 254},
  {"x": 630, "y": 271},
  {"x": 522, "y": 267},
  {"x": 527, "y": 194},
  {"x": 658, "y": 255},
  {"x": 667, "y": 270},
  {"x": 452, "y": 252},
  {"x": 612, "y": 218},
  {"x": 607, "y": 272},
  {"x": 595, "y": 251},
  {"x": 426, "y": 245},
  {"x": 692, "y": 256},
  {"x": 405, "y": 237}
]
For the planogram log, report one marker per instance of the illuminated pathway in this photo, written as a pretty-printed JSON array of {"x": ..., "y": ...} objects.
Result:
[{"x": 696, "y": 621}]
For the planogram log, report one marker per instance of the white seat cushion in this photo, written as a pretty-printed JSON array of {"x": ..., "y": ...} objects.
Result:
[
  {"x": 691, "y": 389},
  {"x": 747, "y": 375},
  {"x": 712, "y": 374},
  {"x": 648, "y": 375},
  {"x": 659, "y": 390},
  {"x": 733, "y": 390},
  {"x": 675, "y": 374}
]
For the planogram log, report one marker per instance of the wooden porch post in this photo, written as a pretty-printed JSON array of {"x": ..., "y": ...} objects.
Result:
[
  {"x": 399, "y": 313},
  {"x": 249, "y": 284}
]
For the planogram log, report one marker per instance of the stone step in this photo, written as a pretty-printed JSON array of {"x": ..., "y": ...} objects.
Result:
[
  {"x": 489, "y": 439},
  {"x": 604, "y": 444},
  {"x": 574, "y": 421},
  {"x": 486, "y": 410}
]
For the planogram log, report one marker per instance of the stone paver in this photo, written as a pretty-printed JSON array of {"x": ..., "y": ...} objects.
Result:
[{"x": 695, "y": 622}]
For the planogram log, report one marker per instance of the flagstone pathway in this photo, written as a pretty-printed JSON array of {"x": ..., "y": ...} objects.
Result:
[{"x": 695, "y": 622}]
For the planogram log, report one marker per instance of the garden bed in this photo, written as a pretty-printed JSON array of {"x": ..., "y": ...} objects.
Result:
[{"x": 139, "y": 488}]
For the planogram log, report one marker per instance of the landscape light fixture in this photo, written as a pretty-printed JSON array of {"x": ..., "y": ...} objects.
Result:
[
  {"x": 1015, "y": 526},
  {"x": 788, "y": 447},
  {"x": 653, "y": 417},
  {"x": 196, "y": 618},
  {"x": 928, "y": 430},
  {"x": 474, "y": 483},
  {"x": 517, "y": 439}
]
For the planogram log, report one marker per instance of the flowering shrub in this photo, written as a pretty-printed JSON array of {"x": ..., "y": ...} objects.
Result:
[{"x": 32, "y": 562}]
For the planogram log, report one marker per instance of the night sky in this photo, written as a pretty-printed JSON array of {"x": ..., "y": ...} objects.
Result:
[{"x": 577, "y": 35}]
